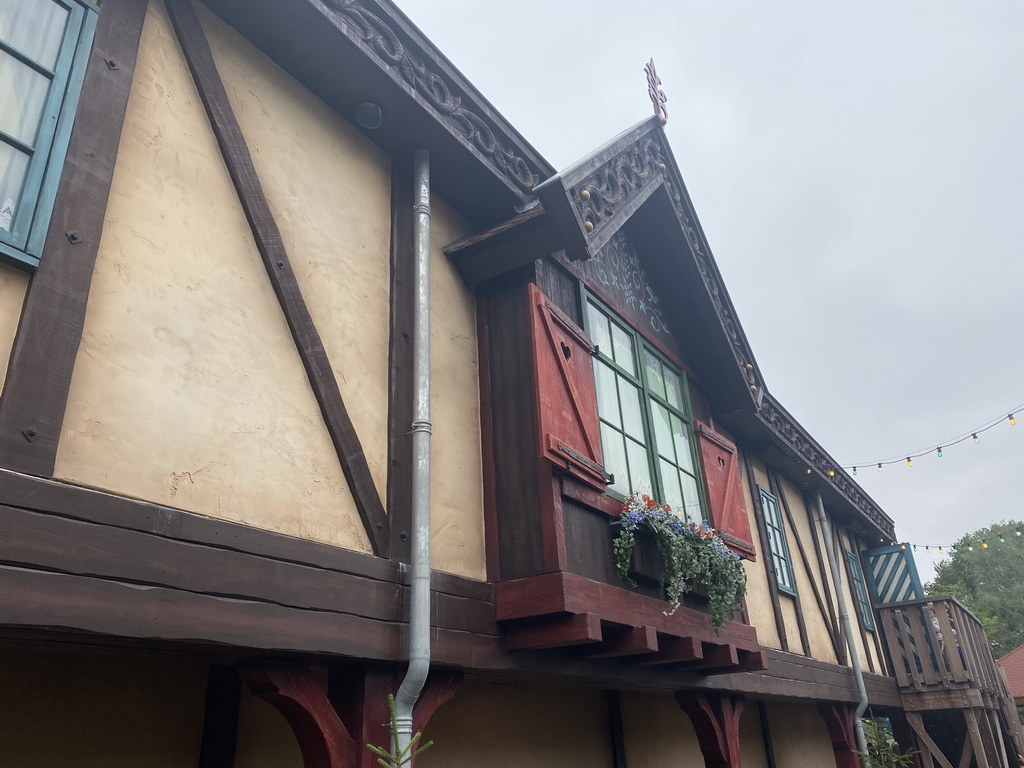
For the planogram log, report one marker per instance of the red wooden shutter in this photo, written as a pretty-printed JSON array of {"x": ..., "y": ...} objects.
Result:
[
  {"x": 566, "y": 397},
  {"x": 725, "y": 492}
]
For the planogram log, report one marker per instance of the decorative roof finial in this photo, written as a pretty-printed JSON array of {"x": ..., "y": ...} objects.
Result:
[{"x": 658, "y": 97}]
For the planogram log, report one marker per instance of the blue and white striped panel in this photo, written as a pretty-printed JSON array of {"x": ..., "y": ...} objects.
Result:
[{"x": 893, "y": 574}]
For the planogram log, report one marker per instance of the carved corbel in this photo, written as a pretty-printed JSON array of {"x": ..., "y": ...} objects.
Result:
[{"x": 716, "y": 719}]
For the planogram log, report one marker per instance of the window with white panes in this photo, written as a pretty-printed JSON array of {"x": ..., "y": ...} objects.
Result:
[
  {"x": 642, "y": 403},
  {"x": 44, "y": 47}
]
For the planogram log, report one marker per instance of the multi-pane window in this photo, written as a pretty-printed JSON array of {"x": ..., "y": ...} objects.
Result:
[
  {"x": 777, "y": 542},
  {"x": 43, "y": 48},
  {"x": 646, "y": 430},
  {"x": 860, "y": 591}
]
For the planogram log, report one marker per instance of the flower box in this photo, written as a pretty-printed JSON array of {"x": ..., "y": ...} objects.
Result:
[{"x": 653, "y": 543}]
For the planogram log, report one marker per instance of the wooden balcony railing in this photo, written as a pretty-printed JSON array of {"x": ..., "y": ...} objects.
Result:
[
  {"x": 942, "y": 661},
  {"x": 936, "y": 644}
]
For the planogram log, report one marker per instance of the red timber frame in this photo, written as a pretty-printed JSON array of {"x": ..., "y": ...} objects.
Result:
[
  {"x": 333, "y": 727},
  {"x": 716, "y": 720},
  {"x": 839, "y": 720}
]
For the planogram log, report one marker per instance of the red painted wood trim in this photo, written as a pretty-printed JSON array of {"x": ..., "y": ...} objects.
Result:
[
  {"x": 554, "y": 593},
  {"x": 275, "y": 258},
  {"x": 293, "y": 691},
  {"x": 441, "y": 688},
  {"x": 42, "y": 359},
  {"x": 839, "y": 721},
  {"x": 554, "y": 632},
  {"x": 716, "y": 719}
]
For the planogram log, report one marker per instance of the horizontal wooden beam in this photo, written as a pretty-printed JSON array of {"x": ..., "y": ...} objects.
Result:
[
  {"x": 502, "y": 249},
  {"x": 554, "y": 632}
]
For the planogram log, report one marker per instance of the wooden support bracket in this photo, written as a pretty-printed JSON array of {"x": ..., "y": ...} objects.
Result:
[
  {"x": 292, "y": 690},
  {"x": 716, "y": 719},
  {"x": 839, "y": 720}
]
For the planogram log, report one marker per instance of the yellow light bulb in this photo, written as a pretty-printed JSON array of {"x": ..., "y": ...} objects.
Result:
[
  {"x": 1013, "y": 421},
  {"x": 910, "y": 462}
]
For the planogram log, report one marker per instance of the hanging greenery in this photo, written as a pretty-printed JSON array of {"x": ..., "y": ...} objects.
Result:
[{"x": 693, "y": 554}]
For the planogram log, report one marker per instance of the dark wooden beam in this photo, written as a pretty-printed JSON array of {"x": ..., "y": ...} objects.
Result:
[
  {"x": 843, "y": 547},
  {"x": 801, "y": 621},
  {"x": 42, "y": 359},
  {"x": 275, "y": 258},
  {"x": 833, "y": 619},
  {"x": 220, "y": 718},
  {"x": 766, "y": 735},
  {"x": 615, "y": 730},
  {"x": 520, "y": 241},
  {"x": 768, "y": 560},
  {"x": 400, "y": 366}
]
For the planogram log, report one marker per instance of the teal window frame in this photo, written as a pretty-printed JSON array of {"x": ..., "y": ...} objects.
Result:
[
  {"x": 782, "y": 563},
  {"x": 633, "y": 369},
  {"x": 23, "y": 244},
  {"x": 860, "y": 591}
]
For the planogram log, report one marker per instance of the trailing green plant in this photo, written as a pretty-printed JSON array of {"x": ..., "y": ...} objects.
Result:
[
  {"x": 883, "y": 751},
  {"x": 693, "y": 554},
  {"x": 407, "y": 755}
]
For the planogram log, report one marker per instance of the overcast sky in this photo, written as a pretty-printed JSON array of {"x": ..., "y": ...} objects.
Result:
[{"x": 859, "y": 171}]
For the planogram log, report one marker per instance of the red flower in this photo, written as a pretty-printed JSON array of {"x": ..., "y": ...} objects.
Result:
[{"x": 668, "y": 507}]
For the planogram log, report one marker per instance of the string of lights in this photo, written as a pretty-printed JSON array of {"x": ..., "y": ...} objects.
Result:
[
  {"x": 973, "y": 434},
  {"x": 970, "y": 546}
]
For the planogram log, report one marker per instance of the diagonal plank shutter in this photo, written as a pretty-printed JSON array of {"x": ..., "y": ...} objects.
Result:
[
  {"x": 566, "y": 397},
  {"x": 892, "y": 574},
  {"x": 725, "y": 492}
]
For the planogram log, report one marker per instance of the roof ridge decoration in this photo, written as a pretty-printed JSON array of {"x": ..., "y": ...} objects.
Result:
[
  {"x": 607, "y": 188},
  {"x": 771, "y": 413},
  {"x": 593, "y": 199},
  {"x": 477, "y": 131}
]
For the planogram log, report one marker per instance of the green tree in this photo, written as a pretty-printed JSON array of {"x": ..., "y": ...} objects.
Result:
[{"x": 989, "y": 581}]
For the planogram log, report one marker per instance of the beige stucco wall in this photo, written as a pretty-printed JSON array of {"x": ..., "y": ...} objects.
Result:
[
  {"x": 657, "y": 732},
  {"x": 13, "y": 285},
  {"x": 816, "y": 622},
  {"x": 330, "y": 192},
  {"x": 759, "y": 599},
  {"x": 799, "y": 737},
  {"x": 519, "y": 726},
  {"x": 188, "y": 389},
  {"x": 187, "y": 371},
  {"x": 869, "y": 654},
  {"x": 99, "y": 711},
  {"x": 456, "y": 494},
  {"x": 752, "y": 751}
]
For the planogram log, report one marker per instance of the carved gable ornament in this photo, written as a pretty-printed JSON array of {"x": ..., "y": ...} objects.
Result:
[{"x": 407, "y": 63}]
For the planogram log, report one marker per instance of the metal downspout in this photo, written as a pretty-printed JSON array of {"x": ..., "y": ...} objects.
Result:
[
  {"x": 844, "y": 618},
  {"x": 419, "y": 613}
]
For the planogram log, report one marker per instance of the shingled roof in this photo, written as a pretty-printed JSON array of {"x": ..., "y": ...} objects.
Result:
[{"x": 1013, "y": 664}]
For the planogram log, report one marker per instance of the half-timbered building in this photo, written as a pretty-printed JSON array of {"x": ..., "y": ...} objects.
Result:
[{"x": 212, "y": 322}]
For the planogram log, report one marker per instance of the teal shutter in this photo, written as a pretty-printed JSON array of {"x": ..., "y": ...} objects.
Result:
[
  {"x": 892, "y": 574},
  {"x": 860, "y": 591}
]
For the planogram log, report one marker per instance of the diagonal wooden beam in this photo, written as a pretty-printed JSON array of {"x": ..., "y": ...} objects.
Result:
[
  {"x": 42, "y": 360},
  {"x": 275, "y": 258}
]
